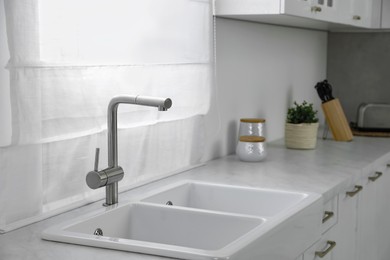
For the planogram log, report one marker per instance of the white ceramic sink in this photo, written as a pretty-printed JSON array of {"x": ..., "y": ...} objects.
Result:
[
  {"x": 227, "y": 198},
  {"x": 158, "y": 230},
  {"x": 206, "y": 221}
]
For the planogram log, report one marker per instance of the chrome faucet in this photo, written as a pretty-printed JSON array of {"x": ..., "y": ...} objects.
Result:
[{"x": 110, "y": 176}]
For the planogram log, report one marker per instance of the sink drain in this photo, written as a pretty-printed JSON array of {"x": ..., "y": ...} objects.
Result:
[{"x": 98, "y": 232}]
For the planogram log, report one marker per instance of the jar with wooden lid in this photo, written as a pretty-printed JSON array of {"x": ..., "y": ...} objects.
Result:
[
  {"x": 251, "y": 148},
  {"x": 252, "y": 127}
]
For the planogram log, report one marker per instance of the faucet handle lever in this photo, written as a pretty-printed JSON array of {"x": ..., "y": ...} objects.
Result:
[{"x": 96, "y": 168}]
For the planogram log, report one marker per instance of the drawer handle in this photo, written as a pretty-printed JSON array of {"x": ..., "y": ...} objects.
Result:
[
  {"x": 327, "y": 215},
  {"x": 375, "y": 177},
  {"x": 357, "y": 17},
  {"x": 331, "y": 245},
  {"x": 357, "y": 189},
  {"x": 316, "y": 9}
]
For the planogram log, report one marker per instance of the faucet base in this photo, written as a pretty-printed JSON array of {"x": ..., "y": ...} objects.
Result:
[{"x": 111, "y": 194}]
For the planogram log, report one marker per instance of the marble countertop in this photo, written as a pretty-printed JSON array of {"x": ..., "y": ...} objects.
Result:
[{"x": 327, "y": 170}]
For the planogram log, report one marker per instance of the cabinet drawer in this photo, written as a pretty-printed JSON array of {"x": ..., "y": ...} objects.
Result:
[
  {"x": 324, "y": 249},
  {"x": 330, "y": 214}
]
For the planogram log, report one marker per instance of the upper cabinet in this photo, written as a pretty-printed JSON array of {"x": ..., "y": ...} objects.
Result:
[
  {"x": 358, "y": 13},
  {"x": 385, "y": 14},
  {"x": 317, "y": 14},
  {"x": 323, "y": 10}
]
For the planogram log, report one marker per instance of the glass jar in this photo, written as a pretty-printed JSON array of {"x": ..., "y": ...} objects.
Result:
[
  {"x": 251, "y": 148},
  {"x": 252, "y": 127}
]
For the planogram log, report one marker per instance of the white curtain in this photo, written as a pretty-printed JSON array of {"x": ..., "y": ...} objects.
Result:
[{"x": 68, "y": 58}]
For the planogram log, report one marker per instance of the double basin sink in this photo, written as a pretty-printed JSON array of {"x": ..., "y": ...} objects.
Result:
[{"x": 198, "y": 220}]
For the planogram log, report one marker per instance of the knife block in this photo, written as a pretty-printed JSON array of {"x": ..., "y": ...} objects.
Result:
[{"x": 337, "y": 121}]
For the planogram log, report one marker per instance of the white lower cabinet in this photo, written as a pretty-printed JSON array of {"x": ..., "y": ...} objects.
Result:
[
  {"x": 324, "y": 249},
  {"x": 373, "y": 230},
  {"x": 366, "y": 233},
  {"x": 382, "y": 226},
  {"x": 362, "y": 231},
  {"x": 347, "y": 222},
  {"x": 330, "y": 214}
]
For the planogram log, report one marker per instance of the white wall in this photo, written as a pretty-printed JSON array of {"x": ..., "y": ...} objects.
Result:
[
  {"x": 5, "y": 113},
  {"x": 261, "y": 70}
]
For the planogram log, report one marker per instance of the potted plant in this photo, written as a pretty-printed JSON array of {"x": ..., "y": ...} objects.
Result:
[{"x": 301, "y": 126}]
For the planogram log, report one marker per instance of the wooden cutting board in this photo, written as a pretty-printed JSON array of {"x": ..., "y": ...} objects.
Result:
[{"x": 370, "y": 134}]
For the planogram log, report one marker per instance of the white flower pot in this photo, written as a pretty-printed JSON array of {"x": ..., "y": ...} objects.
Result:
[{"x": 301, "y": 136}]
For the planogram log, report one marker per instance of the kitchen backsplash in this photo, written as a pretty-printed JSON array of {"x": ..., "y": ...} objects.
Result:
[
  {"x": 261, "y": 70},
  {"x": 358, "y": 69}
]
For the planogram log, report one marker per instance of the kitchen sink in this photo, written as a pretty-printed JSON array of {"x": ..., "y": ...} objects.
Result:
[
  {"x": 158, "y": 230},
  {"x": 199, "y": 221},
  {"x": 228, "y": 198}
]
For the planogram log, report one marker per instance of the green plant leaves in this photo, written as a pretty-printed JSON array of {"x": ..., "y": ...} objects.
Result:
[{"x": 303, "y": 113}]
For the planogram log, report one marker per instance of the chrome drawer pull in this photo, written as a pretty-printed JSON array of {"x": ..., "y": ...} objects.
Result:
[
  {"x": 331, "y": 245},
  {"x": 327, "y": 215},
  {"x": 374, "y": 178},
  {"x": 357, "y": 189}
]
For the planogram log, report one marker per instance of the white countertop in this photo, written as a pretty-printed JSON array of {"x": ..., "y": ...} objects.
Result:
[{"x": 326, "y": 170}]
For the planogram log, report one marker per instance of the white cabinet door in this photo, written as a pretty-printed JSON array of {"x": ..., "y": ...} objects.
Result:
[
  {"x": 361, "y": 13},
  {"x": 357, "y": 12},
  {"x": 385, "y": 14},
  {"x": 381, "y": 221},
  {"x": 376, "y": 13},
  {"x": 328, "y": 9},
  {"x": 373, "y": 231},
  {"x": 367, "y": 208},
  {"x": 325, "y": 249},
  {"x": 330, "y": 214},
  {"x": 323, "y": 10},
  {"x": 347, "y": 223},
  {"x": 246, "y": 7},
  {"x": 301, "y": 8},
  {"x": 362, "y": 230}
]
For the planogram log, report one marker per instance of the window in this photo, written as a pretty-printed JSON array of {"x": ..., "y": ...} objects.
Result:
[{"x": 68, "y": 59}]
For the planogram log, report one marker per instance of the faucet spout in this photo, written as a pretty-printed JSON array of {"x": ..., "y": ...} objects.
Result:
[
  {"x": 112, "y": 118},
  {"x": 114, "y": 173}
]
